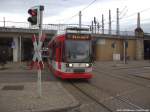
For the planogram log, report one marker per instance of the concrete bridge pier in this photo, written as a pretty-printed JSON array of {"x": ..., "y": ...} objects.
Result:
[{"x": 15, "y": 49}]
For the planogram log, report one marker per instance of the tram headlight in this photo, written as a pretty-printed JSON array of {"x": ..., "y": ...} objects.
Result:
[
  {"x": 87, "y": 64},
  {"x": 70, "y": 65}
]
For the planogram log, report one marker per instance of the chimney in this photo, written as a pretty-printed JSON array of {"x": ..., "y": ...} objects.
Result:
[{"x": 138, "y": 21}]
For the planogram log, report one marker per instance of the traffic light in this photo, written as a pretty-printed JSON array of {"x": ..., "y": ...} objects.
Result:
[
  {"x": 36, "y": 15},
  {"x": 33, "y": 19}
]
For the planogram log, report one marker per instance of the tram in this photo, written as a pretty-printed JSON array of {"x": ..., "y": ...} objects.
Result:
[{"x": 70, "y": 54}]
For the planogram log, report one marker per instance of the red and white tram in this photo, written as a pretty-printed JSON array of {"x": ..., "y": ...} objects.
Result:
[{"x": 70, "y": 54}]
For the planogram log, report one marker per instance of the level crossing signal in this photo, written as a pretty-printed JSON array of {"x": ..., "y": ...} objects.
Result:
[
  {"x": 33, "y": 19},
  {"x": 35, "y": 15},
  {"x": 37, "y": 54},
  {"x": 36, "y": 20}
]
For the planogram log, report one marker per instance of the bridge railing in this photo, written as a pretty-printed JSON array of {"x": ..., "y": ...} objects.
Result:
[
  {"x": 114, "y": 32},
  {"x": 12, "y": 24},
  {"x": 61, "y": 28},
  {"x": 147, "y": 34}
]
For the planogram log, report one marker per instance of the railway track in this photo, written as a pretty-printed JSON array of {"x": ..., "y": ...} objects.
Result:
[
  {"x": 104, "y": 98},
  {"x": 134, "y": 79},
  {"x": 135, "y": 71},
  {"x": 87, "y": 103},
  {"x": 146, "y": 69},
  {"x": 92, "y": 97}
]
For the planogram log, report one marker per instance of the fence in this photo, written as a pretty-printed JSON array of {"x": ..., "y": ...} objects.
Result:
[{"x": 61, "y": 28}]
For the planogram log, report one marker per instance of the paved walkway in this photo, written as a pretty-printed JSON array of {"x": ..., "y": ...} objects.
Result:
[
  {"x": 23, "y": 97},
  {"x": 21, "y": 67},
  {"x": 17, "y": 67}
]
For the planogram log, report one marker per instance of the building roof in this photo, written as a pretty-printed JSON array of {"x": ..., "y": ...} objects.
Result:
[{"x": 139, "y": 29}]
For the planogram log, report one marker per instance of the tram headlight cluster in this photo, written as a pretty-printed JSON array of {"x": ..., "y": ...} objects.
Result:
[
  {"x": 78, "y": 65},
  {"x": 87, "y": 64},
  {"x": 70, "y": 65}
]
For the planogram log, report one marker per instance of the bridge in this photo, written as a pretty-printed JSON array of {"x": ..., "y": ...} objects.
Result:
[
  {"x": 60, "y": 28},
  {"x": 15, "y": 37},
  {"x": 17, "y": 42}
]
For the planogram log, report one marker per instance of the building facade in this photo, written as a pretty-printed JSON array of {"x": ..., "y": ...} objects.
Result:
[{"x": 113, "y": 47}]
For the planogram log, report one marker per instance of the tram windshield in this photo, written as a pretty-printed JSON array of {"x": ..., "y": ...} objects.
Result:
[{"x": 78, "y": 50}]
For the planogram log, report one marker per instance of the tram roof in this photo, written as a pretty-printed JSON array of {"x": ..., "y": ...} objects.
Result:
[{"x": 78, "y": 30}]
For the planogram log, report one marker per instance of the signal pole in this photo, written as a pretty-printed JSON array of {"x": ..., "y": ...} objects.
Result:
[
  {"x": 117, "y": 25},
  {"x": 125, "y": 46},
  {"x": 109, "y": 22},
  {"x": 98, "y": 26},
  {"x": 41, "y": 8},
  {"x": 80, "y": 15},
  {"x": 95, "y": 24},
  {"x": 4, "y": 21},
  {"x": 124, "y": 51},
  {"x": 92, "y": 27},
  {"x": 102, "y": 24},
  {"x": 36, "y": 20}
]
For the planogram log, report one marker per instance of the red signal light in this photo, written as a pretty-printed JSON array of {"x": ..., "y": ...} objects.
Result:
[
  {"x": 33, "y": 19},
  {"x": 35, "y": 15},
  {"x": 32, "y": 12}
]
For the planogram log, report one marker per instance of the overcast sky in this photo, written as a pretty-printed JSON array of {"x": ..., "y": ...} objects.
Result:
[{"x": 65, "y": 11}]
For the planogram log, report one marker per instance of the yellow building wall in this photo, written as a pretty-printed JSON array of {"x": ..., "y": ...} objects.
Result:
[
  {"x": 104, "y": 50},
  {"x": 131, "y": 50}
]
